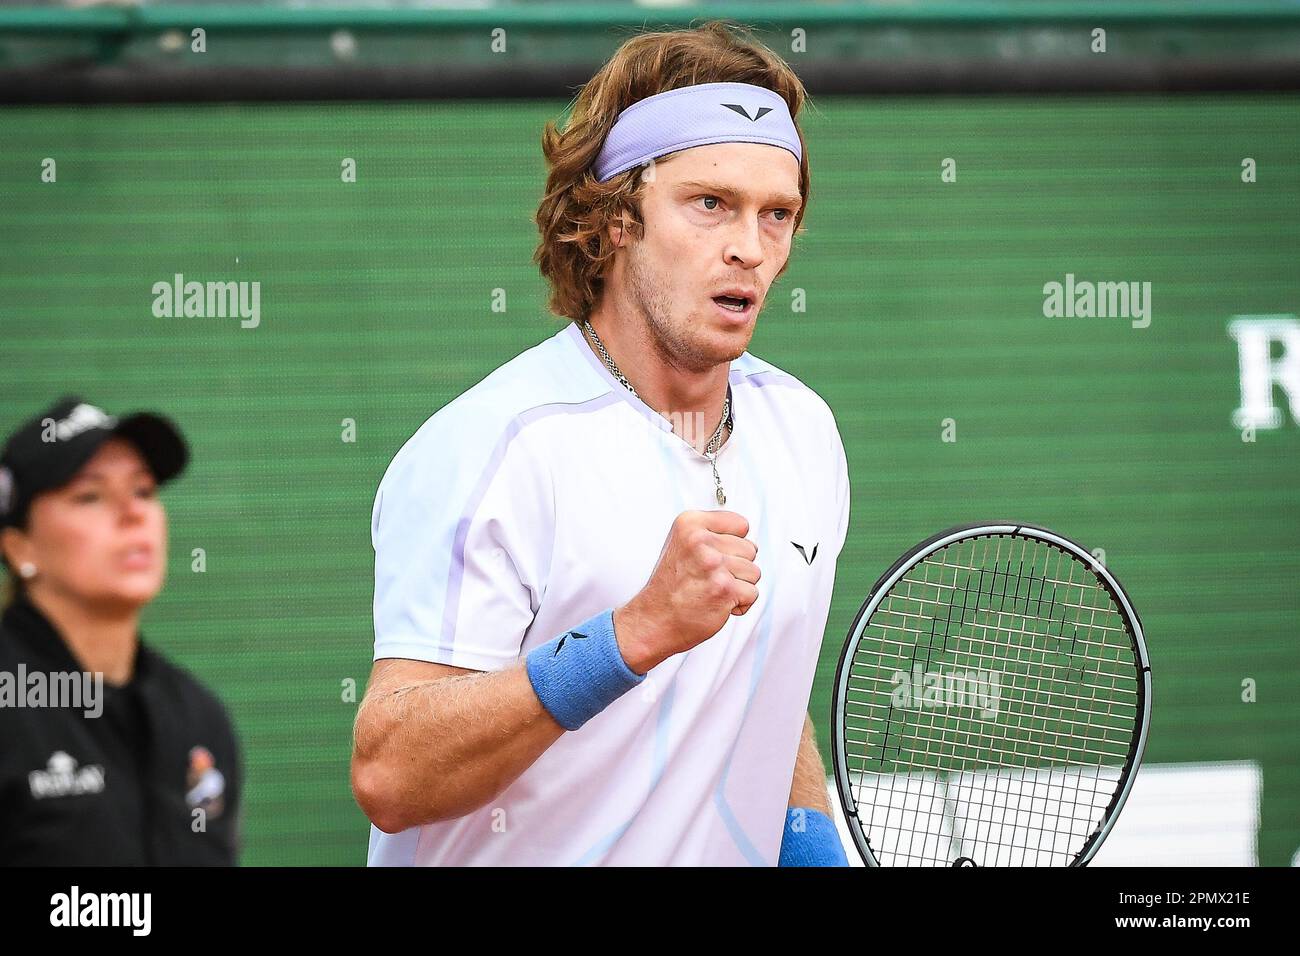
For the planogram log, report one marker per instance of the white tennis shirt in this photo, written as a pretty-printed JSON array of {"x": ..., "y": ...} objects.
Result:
[{"x": 542, "y": 496}]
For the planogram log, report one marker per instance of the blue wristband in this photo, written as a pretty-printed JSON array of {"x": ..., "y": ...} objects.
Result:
[
  {"x": 810, "y": 839},
  {"x": 581, "y": 672}
]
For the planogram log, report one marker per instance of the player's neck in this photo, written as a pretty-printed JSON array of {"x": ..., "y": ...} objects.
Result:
[{"x": 690, "y": 399}]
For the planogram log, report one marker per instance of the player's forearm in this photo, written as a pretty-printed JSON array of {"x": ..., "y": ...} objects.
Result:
[
  {"x": 808, "y": 787},
  {"x": 809, "y": 837},
  {"x": 434, "y": 750}
]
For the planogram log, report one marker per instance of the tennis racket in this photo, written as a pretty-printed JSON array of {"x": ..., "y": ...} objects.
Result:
[{"x": 991, "y": 703}]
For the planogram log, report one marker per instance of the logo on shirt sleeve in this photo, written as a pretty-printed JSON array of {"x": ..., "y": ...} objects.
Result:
[{"x": 205, "y": 784}]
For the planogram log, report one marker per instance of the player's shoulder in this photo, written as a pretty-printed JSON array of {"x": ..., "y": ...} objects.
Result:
[
  {"x": 539, "y": 381},
  {"x": 780, "y": 391},
  {"x": 549, "y": 373}
]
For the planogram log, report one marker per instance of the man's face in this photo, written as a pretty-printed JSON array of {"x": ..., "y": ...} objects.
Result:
[{"x": 716, "y": 217}]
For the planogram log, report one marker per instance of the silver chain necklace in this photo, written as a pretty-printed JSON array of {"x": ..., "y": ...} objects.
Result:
[{"x": 711, "y": 449}]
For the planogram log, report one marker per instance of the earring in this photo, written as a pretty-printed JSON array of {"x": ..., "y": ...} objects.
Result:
[{"x": 27, "y": 569}]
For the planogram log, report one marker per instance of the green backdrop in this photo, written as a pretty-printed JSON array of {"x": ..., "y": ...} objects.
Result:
[{"x": 924, "y": 302}]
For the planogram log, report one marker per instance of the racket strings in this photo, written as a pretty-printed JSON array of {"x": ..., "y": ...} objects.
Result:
[{"x": 990, "y": 707}]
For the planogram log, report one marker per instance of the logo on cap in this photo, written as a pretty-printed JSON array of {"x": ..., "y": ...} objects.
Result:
[{"x": 80, "y": 419}]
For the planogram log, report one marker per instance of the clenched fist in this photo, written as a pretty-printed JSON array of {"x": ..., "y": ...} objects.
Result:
[{"x": 706, "y": 572}]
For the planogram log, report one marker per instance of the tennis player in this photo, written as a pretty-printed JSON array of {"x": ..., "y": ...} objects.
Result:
[{"x": 602, "y": 574}]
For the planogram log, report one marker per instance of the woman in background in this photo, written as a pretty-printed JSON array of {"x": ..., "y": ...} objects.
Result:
[{"x": 109, "y": 753}]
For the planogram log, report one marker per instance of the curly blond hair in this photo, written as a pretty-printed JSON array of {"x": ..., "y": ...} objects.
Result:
[{"x": 576, "y": 210}]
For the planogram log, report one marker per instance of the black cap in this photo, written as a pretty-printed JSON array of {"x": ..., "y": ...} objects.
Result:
[{"x": 48, "y": 451}]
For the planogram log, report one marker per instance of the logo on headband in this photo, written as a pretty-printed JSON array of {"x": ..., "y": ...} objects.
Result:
[
  {"x": 762, "y": 110},
  {"x": 688, "y": 116},
  {"x": 6, "y": 490}
]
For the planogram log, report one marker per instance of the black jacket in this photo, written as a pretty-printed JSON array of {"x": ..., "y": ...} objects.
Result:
[{"x": 152, "y": 778}]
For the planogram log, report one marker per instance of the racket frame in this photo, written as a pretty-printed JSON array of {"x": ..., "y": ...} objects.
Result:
[{"x": 882, "y": 587}]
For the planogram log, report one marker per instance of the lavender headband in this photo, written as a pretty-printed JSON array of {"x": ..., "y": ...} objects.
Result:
[{"x": 696, "y": 116}]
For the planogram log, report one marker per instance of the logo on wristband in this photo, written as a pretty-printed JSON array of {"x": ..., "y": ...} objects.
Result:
[{"x": 560, "y": 646}]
